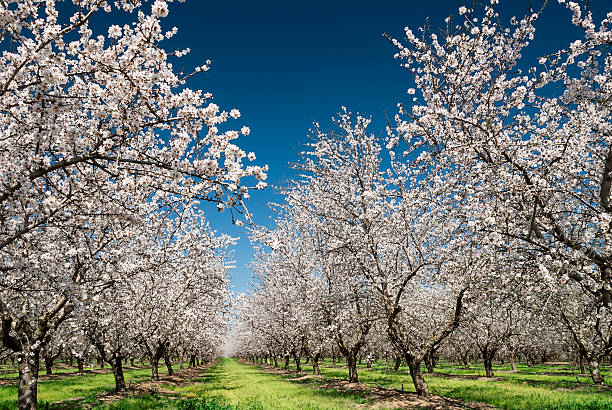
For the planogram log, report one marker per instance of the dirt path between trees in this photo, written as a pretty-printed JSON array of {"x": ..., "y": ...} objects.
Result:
[{"x": 181, "y": 377}]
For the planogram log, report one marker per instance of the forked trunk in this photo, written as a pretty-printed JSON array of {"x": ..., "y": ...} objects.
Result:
[
  {"x": 298, "y": 364},
  {"x": 595, "y": 373},
  {"x": 420, "y": 385},
  {"x": 28, "y": 374}
]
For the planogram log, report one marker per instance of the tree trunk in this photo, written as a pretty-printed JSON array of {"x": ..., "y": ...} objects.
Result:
[
  {"x": 581, "y": 364},
  {"x": 118, "y": 373},
  {"x": 287, "y": 361},
  {"x": 48, "y": 366},
  {"x": 275, "y": 360},
  {"x": 595, "y": 373},
  {"x": 315, "y": 365},
  {"x": 80, "y": 365},
  {"x": 466, "y": 361},
  {"x": 28, "y": 362},
  {"x": 316, "y": 370},
  {"x": 168, "y": 365},
  {"x": 488, "y": 363},
  {"x": 429, "y": 365},
  {"x": 351, "y": 362},
  {"x": 416, "y": 373},
  {"x": 397, "y": 364},
  {"x": 155, "y": 368},
  {"x": 297, "y": 360},
  {"x": 513, "y": 361}
]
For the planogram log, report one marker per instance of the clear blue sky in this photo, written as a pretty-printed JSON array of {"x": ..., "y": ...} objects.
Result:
[{"x": 284, "y": 64}]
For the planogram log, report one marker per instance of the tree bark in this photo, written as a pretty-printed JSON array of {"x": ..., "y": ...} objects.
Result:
[
  {"x": 297, "y": 359},
  {"x": 48, "y": 366},
  {"x": 316, "y": 370},
  {"x": 416, "y": 373},
  {"x": 466, "y": 361},
  {"x": 287, "y": 361},
  {"x": 429, "y": 362},
  {"x": 595, "y": 373},
  {"x": 351, "y": 362},
  {"x": 118, "y": 373},
  {"x": 80, "y": 365},
  {"x": 488, "y": 363},
  {"x": 154, "y": 368},
  {"x": 168, "y": 365},
  {"x": 28, "y": 362},
  {"x": 397, "y": 364}
]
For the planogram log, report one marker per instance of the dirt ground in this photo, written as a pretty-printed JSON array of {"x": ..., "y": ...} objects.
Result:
[{"x": 181, "y": 377}]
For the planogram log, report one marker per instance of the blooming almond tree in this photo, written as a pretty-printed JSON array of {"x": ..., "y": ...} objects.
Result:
[
  {"x": 385, "y": 232},
  {"x": 530, "y": 144},
  {"x": 98, "y": 131}
]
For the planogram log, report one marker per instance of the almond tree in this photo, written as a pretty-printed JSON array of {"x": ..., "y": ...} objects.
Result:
[
  {"x": 98, "y": 130},
  {"x": 384, "y": 231},
  {"x": 529, "y": 143}
]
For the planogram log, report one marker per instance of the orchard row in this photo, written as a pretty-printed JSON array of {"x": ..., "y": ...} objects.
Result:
[{"x": 480, "y": 225}]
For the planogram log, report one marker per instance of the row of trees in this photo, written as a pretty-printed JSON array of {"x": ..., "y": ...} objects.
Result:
[
  {"x": 159, "y": 292},
  {"x": 483, "y": 215},
  {"x": 106, "y": 157}
]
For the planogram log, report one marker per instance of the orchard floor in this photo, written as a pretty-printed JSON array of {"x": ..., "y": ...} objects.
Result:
[{"x": 229, "y": 384}]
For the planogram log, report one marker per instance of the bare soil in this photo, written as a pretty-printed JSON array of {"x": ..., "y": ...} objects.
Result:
[{"x": 181, "y": 377}]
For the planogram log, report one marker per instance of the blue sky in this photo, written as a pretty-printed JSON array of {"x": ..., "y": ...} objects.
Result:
[{"x": 285, "y": 64}]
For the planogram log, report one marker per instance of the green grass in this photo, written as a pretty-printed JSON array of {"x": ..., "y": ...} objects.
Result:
[
  {"x": 523, "y": 389},
  {"x": 231, "y": 385},
  {"x": 85, "y": 387},
  {"x": 247, "y": 387}
]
